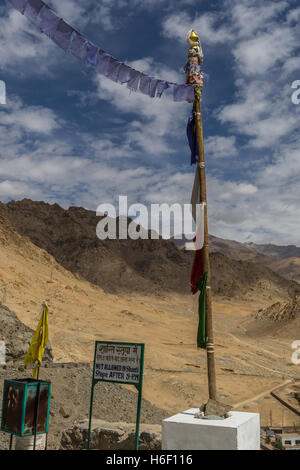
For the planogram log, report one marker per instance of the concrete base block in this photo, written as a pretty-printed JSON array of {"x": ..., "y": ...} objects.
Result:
[
  {"x": 240, "y": 431},
  {"x": 27, "y": 442}
]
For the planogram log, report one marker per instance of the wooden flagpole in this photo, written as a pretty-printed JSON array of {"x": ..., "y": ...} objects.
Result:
[{"x": 211, "y": 370}]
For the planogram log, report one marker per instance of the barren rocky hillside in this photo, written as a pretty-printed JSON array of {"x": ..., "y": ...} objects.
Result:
[
  {"x": 143, "y": 266},
  {"x": 245, "y": 279},
  {"x": 249, "y": 251},
  {"x": 282, "y": 316},
  {"x": 281, "y": 312},
  {"x": 286, "y": 267},
  {"x": 284, "y": 260},
  {"x": 275, "y": 251},
  {"x": 115, "y": 265}
]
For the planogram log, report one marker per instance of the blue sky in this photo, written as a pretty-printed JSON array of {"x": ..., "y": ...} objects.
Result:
[{"x": 73, "y": 137}]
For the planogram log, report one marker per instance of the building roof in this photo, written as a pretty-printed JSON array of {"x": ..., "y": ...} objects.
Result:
[{"x": 288, "y": 436}]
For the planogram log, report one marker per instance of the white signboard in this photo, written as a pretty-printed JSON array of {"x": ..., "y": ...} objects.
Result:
[{"x": 117, "y": 362}]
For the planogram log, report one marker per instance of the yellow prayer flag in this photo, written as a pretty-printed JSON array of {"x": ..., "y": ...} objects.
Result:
[{"x": 39, "y": 342}]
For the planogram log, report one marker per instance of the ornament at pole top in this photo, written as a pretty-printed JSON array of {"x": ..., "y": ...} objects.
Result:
[{"x": 192, "y": 69}]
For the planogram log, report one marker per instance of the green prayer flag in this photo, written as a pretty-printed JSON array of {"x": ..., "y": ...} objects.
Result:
[{"x": 201, "y": 336}]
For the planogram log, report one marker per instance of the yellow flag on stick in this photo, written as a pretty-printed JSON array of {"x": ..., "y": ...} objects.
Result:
[{"x": 39, "y": 342}]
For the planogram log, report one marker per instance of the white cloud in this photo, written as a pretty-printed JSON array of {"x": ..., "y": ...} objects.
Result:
[
  {"x": 36, "y": 119},
  {"x": 48, "y": 167},
  {"x": 254, "y": 101},
  {"x": 293, "y": 15},
  {"x": 104, "y": 13},
  {"x": 291, "y": 65},
  {"x": 50, "y": 171},
  {"x": 220, "y": 146},
  {"x": 285, "y": 170},
  {"x": 20, "y": 42},
  {"x": 157, "y": 121},
  {"x": 245, "y": 189},
  {"x": 249, "y": 17},
  {"x": 71, "y": 11},
  {"x": 176, "y": 25},
  {"x": 267, "y": 211},
  {"x": 267, "y": 131},
  {"x": 15, "y": 189},
  {"x": 257, "y": 55},
  {"x": 263, "y": 113}
]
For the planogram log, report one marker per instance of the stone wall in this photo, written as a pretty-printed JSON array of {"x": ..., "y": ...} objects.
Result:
[{"x": 111, "y": 436}]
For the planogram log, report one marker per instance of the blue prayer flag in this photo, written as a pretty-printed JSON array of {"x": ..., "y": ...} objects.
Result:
[
  {"x": 33, "y": 9},
  {"x": 77, "y": 47},
  {"x": 19, "y": 5},
  {"x": 161, "y": 87},
  {"x": 66, "y": 37},
  {"x": 134, "y": 80},
  {"x": 113, "y": 68},
  {"x": 124, "y": 73},
  {"x": 191, "y": 135},
  {"x": 145, "y": 85},
  {"x": 153, "y": 87},
  {"x": 92, "y": 53},
  {"x": 102, "y": 63},
  {"x": 183, "y": 93},
  {"x": 49, "y": 22},
  {"x": 62, "y": 35}
]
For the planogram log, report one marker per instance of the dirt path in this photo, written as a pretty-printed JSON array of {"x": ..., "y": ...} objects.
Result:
[
  {"x": 261, "y": 395},
  {"x": 250, "y": 345}
]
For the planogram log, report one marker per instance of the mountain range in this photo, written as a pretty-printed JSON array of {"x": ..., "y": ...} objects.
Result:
[{"x": 152, "y": 266}]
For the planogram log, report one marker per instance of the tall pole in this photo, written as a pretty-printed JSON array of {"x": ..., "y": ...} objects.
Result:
[
  {"x": 211, "y": 369},
  {"x": 194, "y": 76}
]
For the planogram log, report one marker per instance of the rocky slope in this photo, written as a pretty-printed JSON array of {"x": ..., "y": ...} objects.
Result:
[
  {"x": 280, "y": 320},
  {"x": 281, "y": 312},
  {"x": 143, "y": 266},
  {"x": 284, "y": 260},
  {"x": 286, "y": 267},
  {"x": 275, "y": 251},
  {"x": 16, "y": 336},
  {"x": 115, "y": 265},
  {"x": 244, "y": 279},
  {"x": 249, "y": 251}
]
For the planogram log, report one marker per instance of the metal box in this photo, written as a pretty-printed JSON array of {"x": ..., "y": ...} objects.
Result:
[{"x": 19, "y": 406}]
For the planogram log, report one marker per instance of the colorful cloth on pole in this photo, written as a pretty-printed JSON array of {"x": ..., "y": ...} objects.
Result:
[
  {"x": 70, "y": 40},
  {"x": 195, "y": 202},
  {"x": 197, "y": 270},
  {"x": 195, "y": 59},
  {"x": 39, "y": 342},
  {"x": 201, "y": 335},
  {"x": 191, "y": 135}
]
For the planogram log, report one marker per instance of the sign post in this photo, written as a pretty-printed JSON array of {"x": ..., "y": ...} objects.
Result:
[{"x": 119, "y": 363}]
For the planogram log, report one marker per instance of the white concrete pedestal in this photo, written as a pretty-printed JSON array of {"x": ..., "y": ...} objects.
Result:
[
  {"x": 241, "y": 431},
  {"x": 27, "y": 442}
]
